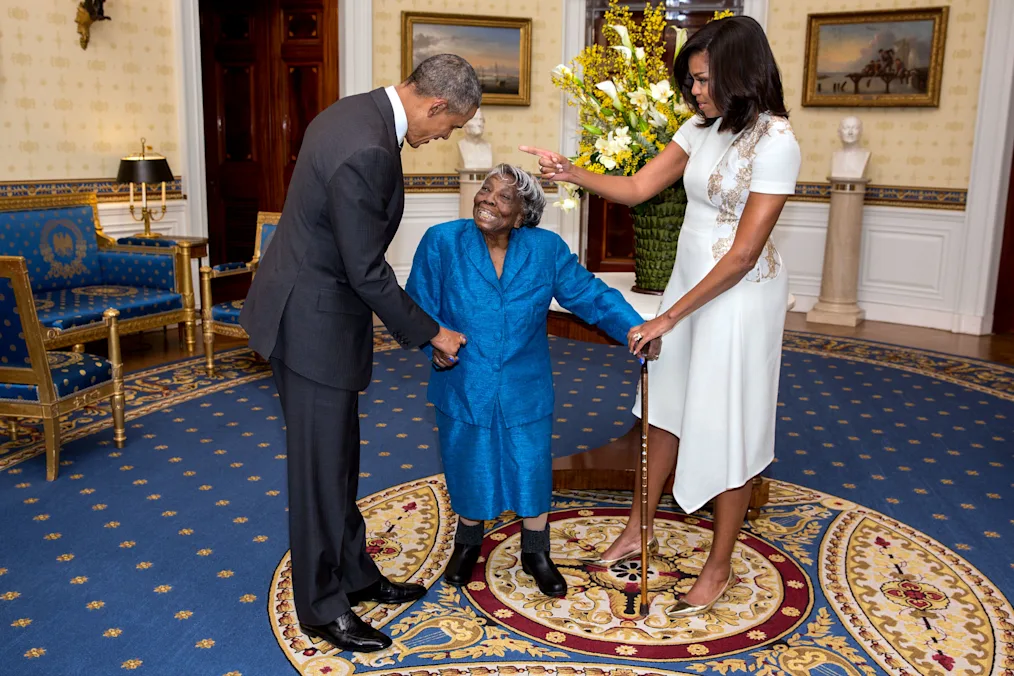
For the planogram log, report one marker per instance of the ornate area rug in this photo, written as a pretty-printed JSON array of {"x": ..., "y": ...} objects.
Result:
[{"x": 885, "y": 549}]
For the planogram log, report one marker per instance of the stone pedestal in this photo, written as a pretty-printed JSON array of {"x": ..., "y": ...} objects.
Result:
[
  {"x": 469, "y": 182},
  {"x": 839, "y": 284}
]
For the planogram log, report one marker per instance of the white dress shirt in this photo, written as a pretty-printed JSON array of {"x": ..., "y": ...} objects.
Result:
[{"x": 400, "y": 118}]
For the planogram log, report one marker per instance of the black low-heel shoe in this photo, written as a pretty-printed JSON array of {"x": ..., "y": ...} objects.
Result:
[
  {"x": 462, "y": 563},
  {"x": 542, "y": 568}
]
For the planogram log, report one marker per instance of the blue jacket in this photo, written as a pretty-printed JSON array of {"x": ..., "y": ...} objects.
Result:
[{"x": 507, "y": 355}]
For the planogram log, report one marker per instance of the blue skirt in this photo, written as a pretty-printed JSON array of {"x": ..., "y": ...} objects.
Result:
[{"x": 491, "y": 470}]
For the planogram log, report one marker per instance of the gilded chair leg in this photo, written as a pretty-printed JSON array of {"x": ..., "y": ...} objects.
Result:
[
  {"x": 78, "y": 347},
  {"x": 12, "y": 429},
  {"x": 187, "y": 291},
  {"x": 116, "y": 366},
  {"x": 51, "y": 429},
  {"x": 207, "y": 323}
]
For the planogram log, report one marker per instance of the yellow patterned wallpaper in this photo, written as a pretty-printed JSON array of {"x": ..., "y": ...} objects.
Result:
[
  {"x": 506, "y": 126},
  {"x": 923, "y": 147},
  {"x": 72, "y": 113}
]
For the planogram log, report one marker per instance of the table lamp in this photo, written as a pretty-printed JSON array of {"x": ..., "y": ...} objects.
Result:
[{"x": 145, "y": 169}]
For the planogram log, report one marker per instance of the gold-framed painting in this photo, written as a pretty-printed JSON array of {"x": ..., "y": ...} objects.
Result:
[
  {"x": 500, "y": 50},
  {"x": 875, "y": 58}
]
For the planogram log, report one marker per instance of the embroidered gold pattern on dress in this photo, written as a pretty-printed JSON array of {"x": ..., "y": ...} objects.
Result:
[{"x": 728, "y": 189}]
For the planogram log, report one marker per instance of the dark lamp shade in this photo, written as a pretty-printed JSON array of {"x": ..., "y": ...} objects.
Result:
[{"x": 147, "y": 170}]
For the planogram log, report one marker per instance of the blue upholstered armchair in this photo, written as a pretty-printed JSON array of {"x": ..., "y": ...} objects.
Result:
[
  {"x": 223, "y": 319},
  {"x": 35, "y": 383},
  {"x": 77, "y": 271}
]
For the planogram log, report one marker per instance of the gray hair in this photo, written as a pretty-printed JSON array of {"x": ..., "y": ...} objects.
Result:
[
  {"x": 450, "y": 77},
  {"x": 528, "y": 189}
]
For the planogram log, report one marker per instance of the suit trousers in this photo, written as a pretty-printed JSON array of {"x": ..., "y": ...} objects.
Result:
[{"x": 327, "y": 533}]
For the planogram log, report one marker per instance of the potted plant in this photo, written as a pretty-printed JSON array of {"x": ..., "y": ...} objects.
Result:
[{"x": 629, "y": 108}]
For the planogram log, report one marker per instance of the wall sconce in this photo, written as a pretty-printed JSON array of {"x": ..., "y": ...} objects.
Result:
[
  {"x": 145, "y": 169},
  {"x": 88, "y": 12}
]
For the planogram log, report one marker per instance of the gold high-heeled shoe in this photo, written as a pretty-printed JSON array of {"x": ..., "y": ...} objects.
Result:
[
  {"x": 609, "y": 563},
  {"x": 684, "y": 609}
]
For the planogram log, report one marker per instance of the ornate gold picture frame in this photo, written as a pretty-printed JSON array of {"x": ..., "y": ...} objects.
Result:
[
  {"x": 875, "y": 58},
  {"x": 499, "y": 49}
]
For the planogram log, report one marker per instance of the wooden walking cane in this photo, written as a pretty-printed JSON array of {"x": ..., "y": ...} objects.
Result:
[{"x": 643, "y": 492}]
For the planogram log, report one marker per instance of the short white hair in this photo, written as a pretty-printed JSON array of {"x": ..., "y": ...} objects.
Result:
[{"x": 528, "y": 189}]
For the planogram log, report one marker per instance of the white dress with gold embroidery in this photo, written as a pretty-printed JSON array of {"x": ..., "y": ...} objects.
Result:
[{"x": 715, "y": 385}]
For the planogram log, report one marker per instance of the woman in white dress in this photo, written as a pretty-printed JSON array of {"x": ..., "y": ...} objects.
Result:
[{"x": 714, "y": 389}]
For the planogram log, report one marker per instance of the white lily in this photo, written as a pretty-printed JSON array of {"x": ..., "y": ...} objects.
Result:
[
  {"x": 567, "y": 203},
  {"x": 639, "y": 98},
  {"x": 657, "y": 119},
  {"x": 639, "y": 53},
  {"x": 661, "y": 91},
  {"x": 607, "y": 162},
  {"x": 609, "y": 87},
  {"x": 563, "y": 71},
  {"x": 622, "y": 137},
  {"x": 625, "y": 51},
  {"x": 624, "y": 36},
  {"x": 681, "y": 39}
]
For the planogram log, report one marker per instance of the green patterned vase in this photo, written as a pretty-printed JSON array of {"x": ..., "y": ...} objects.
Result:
[{"x": 657, "y": 224}]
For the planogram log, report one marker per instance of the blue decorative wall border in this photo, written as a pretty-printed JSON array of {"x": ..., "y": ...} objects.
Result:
[
  {"x": 448, "y": 183},
  {"x": 107, "y": 189},
  {"x": 891, "y": 195}
]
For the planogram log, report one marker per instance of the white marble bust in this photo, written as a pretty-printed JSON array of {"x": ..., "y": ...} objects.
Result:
[
  {"x": 851, "y": 160},
  {"x": 476, "y": 152}
]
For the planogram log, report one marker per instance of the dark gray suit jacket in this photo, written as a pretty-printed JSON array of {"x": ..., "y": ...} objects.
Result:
[{"x": 311, "y": 300}]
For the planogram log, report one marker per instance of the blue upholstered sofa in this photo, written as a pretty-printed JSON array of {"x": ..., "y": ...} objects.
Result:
[
  {"x": 77, "y": 271},
  {"x": 223, "y": 319}
]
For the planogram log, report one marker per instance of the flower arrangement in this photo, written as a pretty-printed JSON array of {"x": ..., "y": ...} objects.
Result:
[{"x": 629, "y": 104}]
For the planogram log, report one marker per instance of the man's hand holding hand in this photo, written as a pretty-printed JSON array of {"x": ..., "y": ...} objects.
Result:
[{"x": 448, "y": 343}]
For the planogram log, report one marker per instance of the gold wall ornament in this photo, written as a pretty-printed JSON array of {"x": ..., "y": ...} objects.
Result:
[{"x": 88, "y": 12}]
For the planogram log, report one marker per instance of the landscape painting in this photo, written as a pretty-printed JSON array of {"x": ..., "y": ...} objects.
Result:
[
  {"x": 499, "y": 50},
  {"x": 890, "y": 58}
]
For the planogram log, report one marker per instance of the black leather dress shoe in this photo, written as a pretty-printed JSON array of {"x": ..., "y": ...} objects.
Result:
[
  {"x": 462, "y": 563},
  {"x": 388, "y": 591},
  {"x": 348, "y": 632},
  {"x": 542, "y": 568}
]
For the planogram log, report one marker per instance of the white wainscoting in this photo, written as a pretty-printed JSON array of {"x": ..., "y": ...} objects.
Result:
[
  {"x": 909, "y": 272},
  {"x": 910, "y": 264},
  {"x": 117, "y": 222},
  {"x": 423, "y": 210}
]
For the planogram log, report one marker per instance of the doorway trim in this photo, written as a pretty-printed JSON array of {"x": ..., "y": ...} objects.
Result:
[
  {"x": 355, "y": 75},
  {"x": 989, "y": 177}
]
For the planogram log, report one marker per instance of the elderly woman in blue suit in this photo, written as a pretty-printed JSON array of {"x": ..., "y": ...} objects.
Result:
[{"x": 492, "y": 277}]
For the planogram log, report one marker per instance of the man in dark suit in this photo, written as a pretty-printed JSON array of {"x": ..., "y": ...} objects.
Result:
[{"x": 310, "y": 310}]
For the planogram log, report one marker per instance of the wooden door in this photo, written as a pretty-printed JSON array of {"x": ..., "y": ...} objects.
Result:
[
  {"x": 268, "y": 67},
  {"x": 307, "y": 73},
  {"x": 1003, "y": 311}
]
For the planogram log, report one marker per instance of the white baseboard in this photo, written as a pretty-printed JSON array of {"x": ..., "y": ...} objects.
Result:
[{"x": 895, "y": 314}]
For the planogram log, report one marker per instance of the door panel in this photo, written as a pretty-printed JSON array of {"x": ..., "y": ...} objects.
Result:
[{"x": 269, "y": 67}]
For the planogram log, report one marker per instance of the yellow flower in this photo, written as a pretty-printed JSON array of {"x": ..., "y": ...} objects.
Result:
[{"x": 723, "y": 14}]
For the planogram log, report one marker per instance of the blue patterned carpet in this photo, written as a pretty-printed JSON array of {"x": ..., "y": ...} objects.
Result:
[{"x": 886, "y": 549}]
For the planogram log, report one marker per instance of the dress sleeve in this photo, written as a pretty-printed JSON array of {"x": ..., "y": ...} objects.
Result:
[
  {"x": 686, "y": 134},
  {"x": 776, "y": 164}
]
